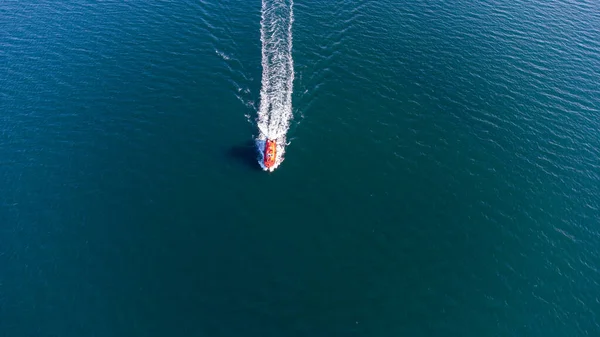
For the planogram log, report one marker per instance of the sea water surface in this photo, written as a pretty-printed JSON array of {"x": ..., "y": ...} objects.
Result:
[{"x": 441, "y": 179}]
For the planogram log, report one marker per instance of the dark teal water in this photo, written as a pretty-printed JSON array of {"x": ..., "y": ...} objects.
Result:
[{"x": 442, "y": 178}]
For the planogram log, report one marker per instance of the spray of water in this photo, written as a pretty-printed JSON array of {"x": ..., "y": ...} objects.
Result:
[{"x": 275, "y": 110}]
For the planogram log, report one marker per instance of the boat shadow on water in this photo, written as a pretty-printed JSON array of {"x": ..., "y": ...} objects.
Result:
[{"x": 246, "y": 153}]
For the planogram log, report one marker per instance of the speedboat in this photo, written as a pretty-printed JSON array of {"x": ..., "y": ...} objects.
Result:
[{"x": 270, "y": 154}]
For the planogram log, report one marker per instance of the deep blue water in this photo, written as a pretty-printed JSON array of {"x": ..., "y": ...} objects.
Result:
[{"x": 442, "y": 176}]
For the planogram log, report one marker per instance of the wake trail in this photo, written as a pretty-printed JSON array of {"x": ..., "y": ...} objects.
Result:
[{"x": 275, "y": 112}]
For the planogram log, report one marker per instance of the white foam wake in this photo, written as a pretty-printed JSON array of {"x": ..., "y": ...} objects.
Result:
[{"x": 275, "y": 110}]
